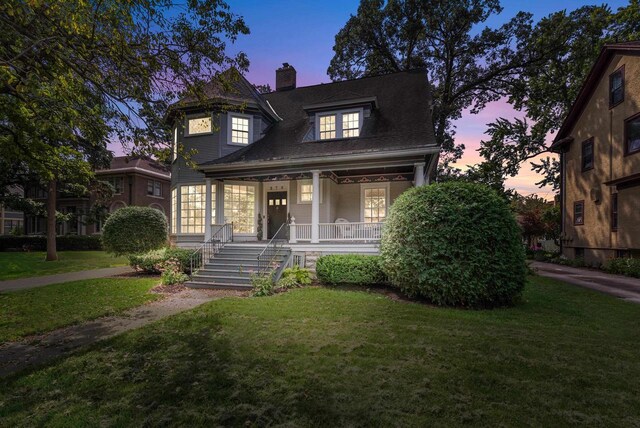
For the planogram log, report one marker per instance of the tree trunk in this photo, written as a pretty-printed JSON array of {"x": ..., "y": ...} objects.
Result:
[{"x": 52, "y": 255}]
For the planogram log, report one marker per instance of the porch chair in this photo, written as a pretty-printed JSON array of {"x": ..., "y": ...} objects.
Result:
[{"x": 345, "y": 229}]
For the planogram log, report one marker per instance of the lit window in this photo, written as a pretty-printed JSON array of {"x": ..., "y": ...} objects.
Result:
[
  {"x": 578, "y": 213},
  {"x": 632, "y": 134},
  {"x": 200, "y": 125},
  {"x": 174, "y": 210},
  {"x": 616, "y": 87},
  {"x": 116, "y": 182},
  {"x": 306, "y": 193},
  {"x": 239, "y": 130},
  {"x": 240, "y": 207},
  {"x": 327, "y": 127},
  {"x": 587, "y": 154},
  {"x": 375, "y": 204},
  {"x": 350, "y": 125},
  {"x": 192, "y": 202}
]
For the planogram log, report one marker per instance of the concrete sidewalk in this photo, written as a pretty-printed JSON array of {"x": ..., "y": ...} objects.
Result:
[
  {"x": 624, "y": 287},
  {"x": 41, "y": 281}
]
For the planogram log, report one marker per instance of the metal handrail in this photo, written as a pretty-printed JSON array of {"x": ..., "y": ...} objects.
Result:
[
  {"x": 211, "y": 247},
  {"x": 266, "y": 256}
]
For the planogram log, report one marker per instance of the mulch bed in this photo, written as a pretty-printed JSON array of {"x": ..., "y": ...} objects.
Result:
[{"x": 168, "y": 289}]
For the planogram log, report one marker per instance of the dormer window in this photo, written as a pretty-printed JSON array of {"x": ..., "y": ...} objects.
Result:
[
  {"x": 240, "y": 129},
  {"x": 339, "y": 124}
]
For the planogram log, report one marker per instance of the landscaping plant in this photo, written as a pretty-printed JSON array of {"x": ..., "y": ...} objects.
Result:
[
  {"x": 455, "y": 244},
  {"x": 172, "y": 272},
  {"x": 351, "y": 269},
  {"x": 152, "y": 261},
  {"x": 624, "y": 266},
  {"x": 134, "y": 230}
]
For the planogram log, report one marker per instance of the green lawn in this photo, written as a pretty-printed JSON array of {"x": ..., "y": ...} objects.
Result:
[
  {"x": 46, "y": 308},
  {"x": 23, "y": 265},
  {"x": 327, "y": 357}
]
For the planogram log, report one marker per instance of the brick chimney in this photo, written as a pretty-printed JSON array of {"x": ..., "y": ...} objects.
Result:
[{"x": 285, "y": 77}]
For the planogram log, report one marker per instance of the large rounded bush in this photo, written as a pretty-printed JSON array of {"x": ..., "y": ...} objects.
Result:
[
  {"x": 134, "y": 230},
  {"x": 454, "y": 244}
]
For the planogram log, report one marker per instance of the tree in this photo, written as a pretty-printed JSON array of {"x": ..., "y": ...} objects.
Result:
[
  {"x": 466, "y": 68},
  {"x": 547, "y": 89},
  {"x": 75, "y": 74}
]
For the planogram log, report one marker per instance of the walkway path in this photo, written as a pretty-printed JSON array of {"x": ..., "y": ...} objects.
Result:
[
  {"x": 37, "y": 350},
  {"x": 625, "y": 287},
  {"x": 41, "y": 281}
]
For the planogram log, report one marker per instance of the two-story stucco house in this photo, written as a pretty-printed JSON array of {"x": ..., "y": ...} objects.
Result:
[
  {"x": 317, "y": 166},
  {"x": 599, "y": 147}
]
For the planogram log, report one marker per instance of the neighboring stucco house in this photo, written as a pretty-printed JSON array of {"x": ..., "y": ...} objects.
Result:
[
  {"x": 138, "y": 181},
  {"x": 599, "y": 147},
  {"x": 329, "y": 158}
]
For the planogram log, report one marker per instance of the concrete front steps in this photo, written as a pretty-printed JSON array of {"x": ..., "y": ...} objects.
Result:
[{"x": 232, "y": 267}]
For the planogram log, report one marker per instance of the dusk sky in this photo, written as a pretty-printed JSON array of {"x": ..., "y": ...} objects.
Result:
[{"x": 302, "y": 34}]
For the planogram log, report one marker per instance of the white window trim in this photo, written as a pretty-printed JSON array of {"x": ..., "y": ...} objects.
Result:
[
  {"x": 309, "y": 181},
  {"x": 338, "y": 114},
  {"x": 364, "y": 186},
  {"x": 231, "y": 115},
  {"x": 197, "y": 116}
]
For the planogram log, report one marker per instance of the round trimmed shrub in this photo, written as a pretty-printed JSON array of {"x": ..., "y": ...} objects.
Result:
[
  {"x": 134, "y": 230},
  {"x": 454, "y": 244}
]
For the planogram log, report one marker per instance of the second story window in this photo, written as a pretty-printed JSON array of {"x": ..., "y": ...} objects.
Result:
[
  {"x": 350, "y": 124},
  {"x": 116, "y": 182},
  {"x": 328, "y": 127},
  {"x": 616, "y": 87},
  {"x": 154, "y": 188},
  {"x": 632, "y": 134},
  {"x": 199, "y": 125},
  {"x": 587, "y": 154},
  {"x": 614, "y": 212},
  {"x": 578, "y": 213},
  {"x": 239, "y": 130}
]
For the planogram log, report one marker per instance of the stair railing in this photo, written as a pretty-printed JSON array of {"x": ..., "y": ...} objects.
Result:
[
  {"x": 267, "y": 257},
  {"x": 211, "y": 247}
]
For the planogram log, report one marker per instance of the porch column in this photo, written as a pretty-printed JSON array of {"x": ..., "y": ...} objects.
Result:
[
  {"x": 207, "y": 210},
  {"x": 419, "y": 177},
  {"x": 315, "y": 208}
]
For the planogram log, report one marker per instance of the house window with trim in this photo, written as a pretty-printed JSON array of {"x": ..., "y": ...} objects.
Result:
[
  {"x": 199, "y": 125},
  {"x": 174, "y": 148},
  {"x": 587, "y": 154},
  {"x": 350, "y": 124},
  {"x": 632, "y": 134},
  {"x": 616, "y": 87},
  {"x": 116, "y": 182},
  {"x": 305, "y": 191},
  {"x": 239, "y": 130},
  {"x": 192, "y": 202},
  {"x": 213, "y": 203},
  {"x": 578, "y": 213},
  {"x": 374, "y": 204},
  {"x": 240, "y": 207},
  {"x": 614, "y": 212},
  {"x": 174, "y": 210},
  {"x": 154, "y": 188},
  {"x": 327, "y": 126}
]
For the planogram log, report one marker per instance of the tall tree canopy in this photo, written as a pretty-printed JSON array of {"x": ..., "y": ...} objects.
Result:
[
  {"x": 467, "y": 66},
  {"x": 74, "y": 74}
]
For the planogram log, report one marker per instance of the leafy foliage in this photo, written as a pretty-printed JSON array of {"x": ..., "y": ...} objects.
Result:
[
  {"x": 39, "y": 243},
  {"x": 262, "y": 284},
  {"x": 350, "y": 269},
  {"x": 454, "y": 244},
  {"x": 301, "y": 276},
  {"x": 624, "y": 266},
  {"x": 173, "y": 272},
  {"x": 537, "y": 217},
  {"x": 152, "y": 261},
  {"x": 134, "y": 230}
]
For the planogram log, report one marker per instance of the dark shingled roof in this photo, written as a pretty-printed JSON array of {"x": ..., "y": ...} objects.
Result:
[{"x": 402, "y": 119}]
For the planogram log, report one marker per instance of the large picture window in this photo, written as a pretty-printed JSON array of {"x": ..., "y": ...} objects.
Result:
[
  {"x": 240, "y": 207},
  {"x": 374, "y": 200},
  {"x": 632, "y": 134},
  {"x": 192, "y": 201}
]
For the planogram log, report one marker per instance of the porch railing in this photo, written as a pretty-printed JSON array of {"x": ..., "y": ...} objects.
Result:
[
  {"x": 267, "y": 257},
  {"x": 210, "y": 248},
  {"x": 359, "y": 231}
]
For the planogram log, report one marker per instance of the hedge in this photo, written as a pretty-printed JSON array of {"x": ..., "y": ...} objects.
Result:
[
  {"x": 454, "y": 244},
  {"x": 350, "y": 269},
  {"x": 624, "y": 266},
  {"x": 152, "y": 261},
  {"x": 134, "y": 230},
  {"x": 39, "y": 243}
]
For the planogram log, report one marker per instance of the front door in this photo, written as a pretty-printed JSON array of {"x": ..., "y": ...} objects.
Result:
[{"x": 276, "y": 213}]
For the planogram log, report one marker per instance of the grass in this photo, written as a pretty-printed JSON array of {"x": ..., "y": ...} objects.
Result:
[
  {"x": 328, "y": 357},
  {"x": 23, "y": 265},
  {"x": 46, "y": 308}
]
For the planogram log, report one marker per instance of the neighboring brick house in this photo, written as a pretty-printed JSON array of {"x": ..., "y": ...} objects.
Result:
[
  {"x": 599, "y": 147},
  {"x": 138, "y": 181},
  {"x": 11, "y": 220}
]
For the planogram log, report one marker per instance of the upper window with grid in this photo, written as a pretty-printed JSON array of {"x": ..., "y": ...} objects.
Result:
[
  {"x": 327, "y": 127},
  {"x": 239, "y": 130},
  {"x": 350, "y": 125}
]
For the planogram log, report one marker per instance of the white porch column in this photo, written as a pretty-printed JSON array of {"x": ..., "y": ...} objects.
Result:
[
  {"x": 419, "y": 177},
  {"x": 207, "y": 210},
  {"x": 293, "y": 236},
  {"x": 315, "y": 208}
]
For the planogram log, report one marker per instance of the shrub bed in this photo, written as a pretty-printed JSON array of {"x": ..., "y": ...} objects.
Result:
[
  {"x": 624, "y": 266},
  {"x": 454, "y": 244},
  {"x": 351, "y": 269},
  {"x": 153, "y": 261},
  {"x": 39, "y": 243}
]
